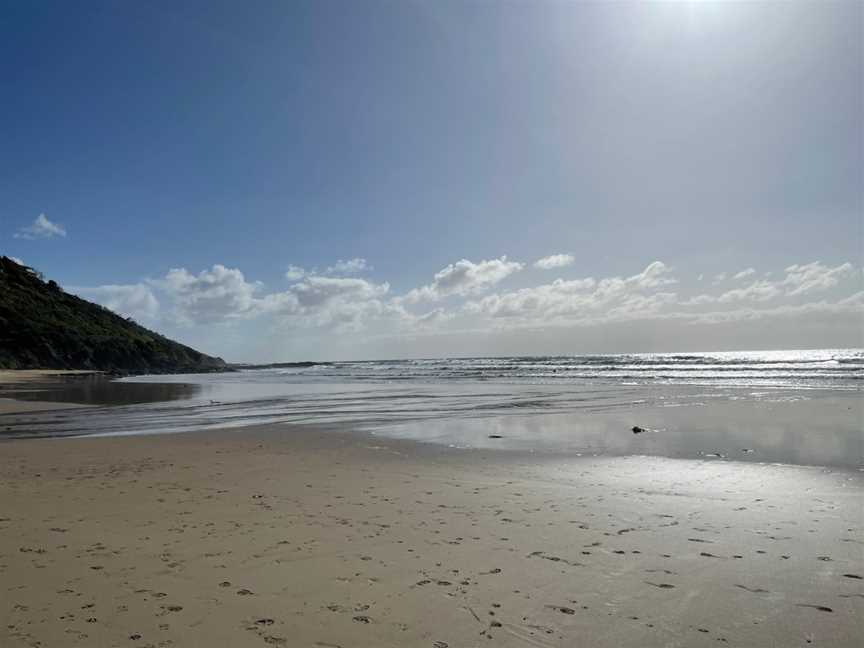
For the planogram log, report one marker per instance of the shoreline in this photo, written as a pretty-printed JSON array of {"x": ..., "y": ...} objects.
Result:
[
  {"x": 292, "y": 535},
  {"x": 816, "y": 428},
  {"x": 367, "y": 435}
]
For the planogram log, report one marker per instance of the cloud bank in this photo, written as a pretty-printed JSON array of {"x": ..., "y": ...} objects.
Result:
[{"x": 471, "y": 298}]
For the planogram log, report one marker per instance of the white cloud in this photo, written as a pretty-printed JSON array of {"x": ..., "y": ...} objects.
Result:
[
  {"x": 294, "y": 273},
  {"x": 801, "y": 279},
  {"x": 134, "y": 300},
  {"x": 853, "y": 304},
  {"x": 655, "y": 275},
  {"x": 757, "y": 291},
  {"x": 433, "y": 318},
  {"x": 222, "y": 294},
  {"x": 719, "y": 278},
  {"x": 699, "y": 300},
  {"x": 615, "y": 299},
  {"x": 464, "y": 278},
  {"x": 216, "y": 295},
  {"x": 556, "y": 298},
  {"x": 341, "y": 268},
  {"x": 341, "y": 302},
  {"x": 41, "y": 228},
  {"x": 316, "y": 290},
  {"x": 580, "y": 298},
  {"x": 555, "y": 261},
  {"x": 351, "y": 266},
  {"x": 745, "y": 273}
]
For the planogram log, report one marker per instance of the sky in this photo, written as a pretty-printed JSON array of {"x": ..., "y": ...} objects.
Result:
[{"x": 275, "y": 181}]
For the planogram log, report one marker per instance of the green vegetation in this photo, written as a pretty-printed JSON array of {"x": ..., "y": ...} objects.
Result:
[{"x": 42, "y": 327}]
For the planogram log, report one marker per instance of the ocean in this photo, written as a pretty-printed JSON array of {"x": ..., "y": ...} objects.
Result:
[
  {"x": 807, "y": 369},
  {"x": 800, "y": 406}
]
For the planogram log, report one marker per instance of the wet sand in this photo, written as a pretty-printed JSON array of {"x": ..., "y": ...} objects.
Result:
[
  {"x": 283, "y": 535},
  {"x": 25, "y": 383},
  {"x": 17, "y": 406},
  {"x": 48, "y": 389},
  {"x": 18, "y": 376}
]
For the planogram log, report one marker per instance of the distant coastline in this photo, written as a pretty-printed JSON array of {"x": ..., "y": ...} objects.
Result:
[{"x": 238, "y": 366}]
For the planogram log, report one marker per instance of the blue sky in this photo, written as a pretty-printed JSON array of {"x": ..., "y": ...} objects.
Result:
[{"x": 712, "y": 137}]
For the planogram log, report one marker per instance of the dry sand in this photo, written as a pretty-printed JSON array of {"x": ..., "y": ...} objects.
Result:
[{"x": 301, "y": 537}]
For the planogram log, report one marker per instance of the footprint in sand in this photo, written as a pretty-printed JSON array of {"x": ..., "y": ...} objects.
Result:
[
  {"x": 661, "y": 585},
  {"x": 754, "y": 590},
  {"x": 562, "y": 609},
  {"x": 856, "y": 576},
  {"x": 821, "y": 608}
]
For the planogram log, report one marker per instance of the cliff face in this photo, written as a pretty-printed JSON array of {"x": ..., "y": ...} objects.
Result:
[{"x": 42, "y": 327}]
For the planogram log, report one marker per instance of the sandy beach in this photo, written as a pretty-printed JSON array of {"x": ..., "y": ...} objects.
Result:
[
  {"x": 285, "y": 535},
  {"x": 432, "y": 323}
]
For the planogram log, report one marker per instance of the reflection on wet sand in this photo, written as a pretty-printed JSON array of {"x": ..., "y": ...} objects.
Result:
[
  {"x": 821, "y": 430},
  {"x": 810, "y": 427},
  {"x": 97, "y": 390}
]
